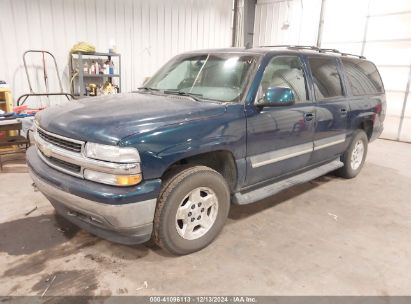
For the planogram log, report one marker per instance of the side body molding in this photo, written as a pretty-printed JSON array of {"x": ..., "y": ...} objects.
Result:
[{"x": 282, "y": 154}]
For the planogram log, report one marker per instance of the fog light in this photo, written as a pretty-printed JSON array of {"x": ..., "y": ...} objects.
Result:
[{"x": 111, "y": 179}]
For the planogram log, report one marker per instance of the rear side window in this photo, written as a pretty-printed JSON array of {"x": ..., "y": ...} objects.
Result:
[
  {"x": 363, "y": 77},
  {"x": 327, "y": 81}
]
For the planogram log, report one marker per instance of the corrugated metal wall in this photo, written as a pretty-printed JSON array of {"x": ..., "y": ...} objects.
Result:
[
  {"x": 286, "y": 22},
  {"x": 238, "y": 39},
  {"x": 146, "y": 33},
  {"x": 379, "y": 29}
]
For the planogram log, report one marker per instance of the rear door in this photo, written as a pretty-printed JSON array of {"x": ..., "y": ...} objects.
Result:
[
  {"x": 280, "y": 139},
  {"x": 331, "y": 108}
]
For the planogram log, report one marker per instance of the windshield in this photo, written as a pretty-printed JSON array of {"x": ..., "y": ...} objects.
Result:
[{"x": 221, "y": 77}]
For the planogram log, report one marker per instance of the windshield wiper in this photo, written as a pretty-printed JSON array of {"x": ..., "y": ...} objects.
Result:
[
  {"x": 148, "y": 89},
  {"x": 182, "y": 93}
]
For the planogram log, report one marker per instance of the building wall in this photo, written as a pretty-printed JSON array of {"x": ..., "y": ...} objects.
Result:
[
  {"x": 286, "y": 22},
  {"x": 146, "y": 33},
  {"x": 381, "y": 31},
  {"x": 377, "y": 29}
]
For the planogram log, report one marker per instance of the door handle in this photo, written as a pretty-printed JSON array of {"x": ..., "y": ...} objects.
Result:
[
  {"x": 308, "y": 116},
  {"x": 343, "y": 111}
]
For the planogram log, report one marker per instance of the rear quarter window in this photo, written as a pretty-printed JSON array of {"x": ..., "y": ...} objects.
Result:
[
  {"x": 363, "y": 77},
  {"x": 326, "y": 79}
]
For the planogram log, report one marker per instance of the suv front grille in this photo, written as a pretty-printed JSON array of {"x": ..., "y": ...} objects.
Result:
[
  {"x": 59, "y": 142},
  {"x": 64, "y": 165}
]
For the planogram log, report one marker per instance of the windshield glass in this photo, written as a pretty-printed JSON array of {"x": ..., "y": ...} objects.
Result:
[{"x": 221, "y": 77}]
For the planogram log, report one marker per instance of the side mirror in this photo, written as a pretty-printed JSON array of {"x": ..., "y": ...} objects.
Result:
[{"x": 277, "y": 96}]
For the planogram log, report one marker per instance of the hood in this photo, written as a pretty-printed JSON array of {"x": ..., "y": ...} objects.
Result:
[{"x": 108, "y": 119}]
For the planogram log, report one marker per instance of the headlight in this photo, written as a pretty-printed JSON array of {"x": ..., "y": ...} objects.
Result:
[
  {"x": 112, "y": 153},
  {"x": 111, "y": 179}
]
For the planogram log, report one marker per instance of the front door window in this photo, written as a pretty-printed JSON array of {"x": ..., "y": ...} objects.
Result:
[{"x": 285, "y": 71}]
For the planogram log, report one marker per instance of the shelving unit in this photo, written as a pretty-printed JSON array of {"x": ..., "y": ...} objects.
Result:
[
  {"x": 100, "y": 75},
  {"x": 6, "y": 104},
  {"x": 80, "y": 79},
  {"x": 6, "y": 100}
]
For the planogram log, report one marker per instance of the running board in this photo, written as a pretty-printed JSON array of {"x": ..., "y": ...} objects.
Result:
[{"x": 261, "y": 193}]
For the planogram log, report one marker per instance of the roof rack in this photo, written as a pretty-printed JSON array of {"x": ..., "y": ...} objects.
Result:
[
  {"x": 353, "y": 55},
  {"x": 338, "y": 52},
  {"x": 290, "y": 46},
  {"x": 313, "y": 48}
]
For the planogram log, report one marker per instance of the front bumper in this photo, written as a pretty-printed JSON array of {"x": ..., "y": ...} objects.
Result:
[{"x": 115, "y": 220}]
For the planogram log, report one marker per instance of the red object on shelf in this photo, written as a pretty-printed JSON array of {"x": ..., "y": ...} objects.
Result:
[
  {"x": 19, "y": 109},
  {"x": 25, "y": 110}
]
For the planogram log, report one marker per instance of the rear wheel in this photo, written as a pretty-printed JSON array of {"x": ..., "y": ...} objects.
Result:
[
  {"x": 191, "y": 210},
  {"x": 355, "y": 155}
]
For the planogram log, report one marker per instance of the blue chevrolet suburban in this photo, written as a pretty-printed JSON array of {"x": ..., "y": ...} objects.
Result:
[{"x": 210, "y": 128}]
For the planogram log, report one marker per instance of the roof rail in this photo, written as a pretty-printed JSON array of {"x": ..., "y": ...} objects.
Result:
[
  {"x": 353, "y": 55},
  {"x": 290, "y": 46},
  {"x": 338, "y": 52},
  {"x": 329, "y": 51},
  {"x": 313, "y": 48}
]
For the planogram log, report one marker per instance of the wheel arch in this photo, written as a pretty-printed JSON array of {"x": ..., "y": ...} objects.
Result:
[
  {"x": 365, "y": 122},
  {"x": 222, "y": 161},
  {"x": 367, "y": 126}
]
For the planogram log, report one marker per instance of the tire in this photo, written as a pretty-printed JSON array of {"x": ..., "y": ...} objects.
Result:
[
  {"x": 191, "y": 210},
  {"x": 353, "y": 161}
]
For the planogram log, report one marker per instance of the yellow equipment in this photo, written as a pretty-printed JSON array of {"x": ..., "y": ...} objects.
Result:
[
  {"x": 83, "y": 47},
  {"x": 6, "y": 101}
]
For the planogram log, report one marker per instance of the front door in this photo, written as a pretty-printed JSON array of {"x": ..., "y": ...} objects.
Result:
[
  {"x": 280, "y": 139},
  {"x": 331, "y": 108}
]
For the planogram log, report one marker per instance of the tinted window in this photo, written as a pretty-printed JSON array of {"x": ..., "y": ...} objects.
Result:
[
  {"x": 363, "y": 77},
  {"x": 285, "y": 71},
  {"x": 327, "y": 81}
]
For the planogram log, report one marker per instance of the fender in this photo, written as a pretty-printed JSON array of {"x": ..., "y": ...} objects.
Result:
[
  {"x": 162, "y": 147},
  {"x": 362, "y": 111}
]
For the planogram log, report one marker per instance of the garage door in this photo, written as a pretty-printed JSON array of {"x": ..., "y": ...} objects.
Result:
[
  {"x": 381, "y": 31},
  {"x": 378, "y": 29}
]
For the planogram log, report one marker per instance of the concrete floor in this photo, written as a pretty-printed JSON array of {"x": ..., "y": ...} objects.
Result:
[{"x": 327, "y": 237}]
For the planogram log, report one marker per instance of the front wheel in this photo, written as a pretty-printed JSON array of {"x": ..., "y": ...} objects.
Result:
[
  {"x": 191, "y": 210},
  {"x": 355, "y": 155}
]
